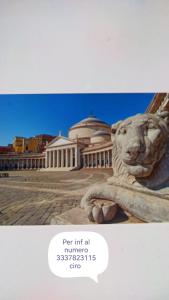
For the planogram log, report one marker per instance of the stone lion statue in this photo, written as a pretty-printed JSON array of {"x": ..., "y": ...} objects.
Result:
[{"x": 140, "y": 162}]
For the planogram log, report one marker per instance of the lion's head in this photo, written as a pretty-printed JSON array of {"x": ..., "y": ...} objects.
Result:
[{"x": 141, "y": 142}]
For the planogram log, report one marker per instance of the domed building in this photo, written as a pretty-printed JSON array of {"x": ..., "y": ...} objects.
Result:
[
  {"x": 88, "y": 145},
  {"x": 87, "y": 128},
  {"x": 99, "y": 137}
]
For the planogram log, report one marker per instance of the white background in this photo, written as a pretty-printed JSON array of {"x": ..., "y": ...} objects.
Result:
[{"x": 85, "y": 46}]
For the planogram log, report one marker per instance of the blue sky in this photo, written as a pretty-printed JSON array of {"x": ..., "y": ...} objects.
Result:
[{"x": 29, "y": 115}]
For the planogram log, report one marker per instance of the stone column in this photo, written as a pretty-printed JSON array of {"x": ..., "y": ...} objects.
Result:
[
  {"x": 91, "y": 158},
  {"x": 46, "y": 159},
  {"x": 74, "y": 159},
  {"x": 53, "y": 166},
  {"x": 94, "y": 160},
  {"x": 61, "y": 158},
  {"x": 71, "y": 157},
  {"x": 104, "y": 158},
  {"x": 76, "y": 156},
  {"x": 57, "y": 158},
  {"x": 66, "y": 158},
  {"x": 52, "y": 158},
  {"x": 108, "y": 158},
  {"x": 49, "y": 159},
  {"x": 100, "y": 159},
  {"x": 87, "y": 160}
]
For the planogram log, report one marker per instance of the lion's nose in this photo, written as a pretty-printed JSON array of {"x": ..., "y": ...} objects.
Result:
[{"x": 133, "y": 150}]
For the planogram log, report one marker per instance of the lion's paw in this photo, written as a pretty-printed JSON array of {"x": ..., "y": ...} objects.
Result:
[{"x": 101, "y": 213}]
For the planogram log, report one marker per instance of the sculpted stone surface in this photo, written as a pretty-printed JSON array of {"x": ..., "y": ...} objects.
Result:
[{"x": 140, "y": 161}]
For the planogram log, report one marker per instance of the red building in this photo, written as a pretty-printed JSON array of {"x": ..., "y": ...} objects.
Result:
[{"x": 6, "y": 149}]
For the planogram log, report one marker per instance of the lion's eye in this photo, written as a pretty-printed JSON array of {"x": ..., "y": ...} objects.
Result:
[{"x": 122, "y": 130}]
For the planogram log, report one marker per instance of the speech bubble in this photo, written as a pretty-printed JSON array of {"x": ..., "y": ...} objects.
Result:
[{"x": 78, "y": 254}]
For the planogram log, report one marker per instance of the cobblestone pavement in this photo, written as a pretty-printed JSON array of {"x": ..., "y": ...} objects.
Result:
[{"x": 31, "y": 197}]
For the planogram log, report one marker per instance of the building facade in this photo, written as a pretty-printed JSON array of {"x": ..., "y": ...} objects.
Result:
[
  {"x": 88, "y": 145},
  {"x": 34, "y": 144}
]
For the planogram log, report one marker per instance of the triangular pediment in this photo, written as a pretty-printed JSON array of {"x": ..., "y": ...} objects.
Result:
[{"x": 59, "y": 141}]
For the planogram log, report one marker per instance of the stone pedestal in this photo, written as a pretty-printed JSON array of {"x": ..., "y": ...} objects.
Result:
[
  {"x": 73, "y": 216},
  {"x": 77, "y": 216}
]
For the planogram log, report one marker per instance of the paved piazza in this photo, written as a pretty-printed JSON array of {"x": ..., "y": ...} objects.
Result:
[{"x": 32, "y": 197}]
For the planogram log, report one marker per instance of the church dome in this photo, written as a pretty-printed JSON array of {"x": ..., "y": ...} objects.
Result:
[
  {"x": 101, "y": 133},
  {"x": 87, "y": 127},
  {"x": 100, "y": 136}
]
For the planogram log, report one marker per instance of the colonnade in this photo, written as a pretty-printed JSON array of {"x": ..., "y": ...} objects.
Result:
[
  {"x": 102, "y": 159},
  {"x": 61, "y": 158},
  {"x": 22, "y": 163}
]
